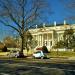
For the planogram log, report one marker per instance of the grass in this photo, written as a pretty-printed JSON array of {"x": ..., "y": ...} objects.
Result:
[
  {"x": 62, "y": 53},
  {"x": 55, "y": 53},
  {"x": 51, "y": 54},
  {"x": 3, "y": 53}
]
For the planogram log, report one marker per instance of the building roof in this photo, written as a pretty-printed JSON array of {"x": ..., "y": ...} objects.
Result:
[
  {"x": 46, "y": 28},
  {"x": 47, "y": 25}
]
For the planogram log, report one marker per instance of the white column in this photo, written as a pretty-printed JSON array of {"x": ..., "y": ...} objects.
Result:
[
  {"x": 38, "y": 40},
  {"x": 42, "y": 39},
  {"x": 52, "y": 39},
  {"x": 47, "y": 39}
]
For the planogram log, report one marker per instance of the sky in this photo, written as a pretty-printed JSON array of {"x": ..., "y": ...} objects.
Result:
[
  {"x": 59, "y": 14},
  {"x": 57, "y": 9}
]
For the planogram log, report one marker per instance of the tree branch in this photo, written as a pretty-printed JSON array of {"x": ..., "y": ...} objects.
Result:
[
  {"x": 9, "y": 25},
  {"x": 11, "y": 16},
  {"x": 14, "y": 20}
]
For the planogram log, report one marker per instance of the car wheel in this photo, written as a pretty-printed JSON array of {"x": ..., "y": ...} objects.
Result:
[
  {"x": 16, "y": 56},
  {"x": 41, "y": 57}
]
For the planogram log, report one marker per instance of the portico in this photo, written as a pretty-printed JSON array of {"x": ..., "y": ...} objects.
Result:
[{"x": 43, "y": 37}]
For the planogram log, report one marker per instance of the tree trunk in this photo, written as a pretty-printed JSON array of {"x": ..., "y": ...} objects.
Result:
[
  {"x": 22, "y": 35},
  {"x": 22, "y": 45},
  {"x": 21, "y": 54}
]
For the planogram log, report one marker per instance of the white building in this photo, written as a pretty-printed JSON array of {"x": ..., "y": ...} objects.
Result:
[{"x": 50, "y": 35}]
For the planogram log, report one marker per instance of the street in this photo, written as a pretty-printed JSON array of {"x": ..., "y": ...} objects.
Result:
[{"x": 11, "y": 67}]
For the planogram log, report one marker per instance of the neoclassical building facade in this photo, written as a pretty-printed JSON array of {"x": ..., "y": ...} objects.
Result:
[{"x": 50, "y": 35}]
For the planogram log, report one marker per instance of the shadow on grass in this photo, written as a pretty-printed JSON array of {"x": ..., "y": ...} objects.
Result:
[{"x": 35, "y": 69}]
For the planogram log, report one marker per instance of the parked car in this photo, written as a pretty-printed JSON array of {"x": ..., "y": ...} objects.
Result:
[
  {"x": 38, "y": 54},
  {"x": 13, "y": 53}
]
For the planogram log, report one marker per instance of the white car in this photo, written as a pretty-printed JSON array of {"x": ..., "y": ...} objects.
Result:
[
  {"x": 13, "y": 53},
  {"x": 38, "y": 54}
]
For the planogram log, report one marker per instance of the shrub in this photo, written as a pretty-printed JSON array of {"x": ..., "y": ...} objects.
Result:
[
  {"x": 4, "y": 49},
  {"x": 45, "y": 50}
]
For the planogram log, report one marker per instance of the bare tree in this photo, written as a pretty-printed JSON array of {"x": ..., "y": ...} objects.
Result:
[{"x": 21, "y": 14}]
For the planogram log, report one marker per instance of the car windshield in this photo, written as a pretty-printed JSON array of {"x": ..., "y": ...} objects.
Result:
[{"x": 38, "y": 52}]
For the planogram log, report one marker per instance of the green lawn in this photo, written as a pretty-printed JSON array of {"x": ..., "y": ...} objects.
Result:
[
  {"x": 51, "y": 54},
  {"x": 62, "y": 53}
]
